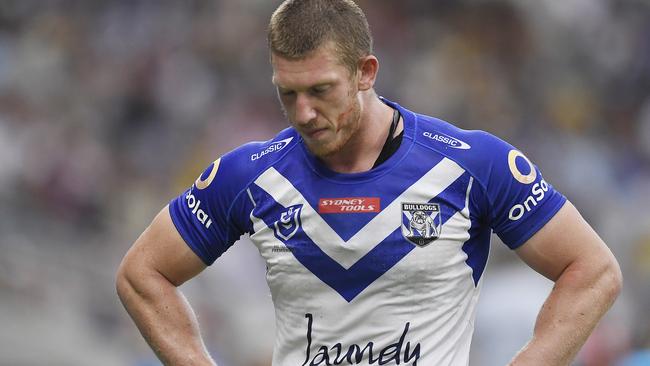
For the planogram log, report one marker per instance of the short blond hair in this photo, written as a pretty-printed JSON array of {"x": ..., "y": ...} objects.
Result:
[{"x": 298, "y": 27}]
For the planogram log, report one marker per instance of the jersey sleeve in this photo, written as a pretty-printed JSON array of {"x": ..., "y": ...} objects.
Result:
[
  {"x": 518, "y": 200},
  {"x": 204, "y": 215}
]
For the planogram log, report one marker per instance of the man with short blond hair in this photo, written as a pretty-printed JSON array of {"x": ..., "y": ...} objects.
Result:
[
  {"x": 295, "y": 30},
  {"x": 374, "y": 222}
]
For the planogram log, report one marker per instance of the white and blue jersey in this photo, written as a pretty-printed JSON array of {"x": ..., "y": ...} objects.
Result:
[{"x": 381, "y": 267}]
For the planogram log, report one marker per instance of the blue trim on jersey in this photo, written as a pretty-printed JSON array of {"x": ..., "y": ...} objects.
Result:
[
  {"x": 196, "y": 237},
  {"x": 530, "y": 226},
  {"x": 477, "y": 249}
]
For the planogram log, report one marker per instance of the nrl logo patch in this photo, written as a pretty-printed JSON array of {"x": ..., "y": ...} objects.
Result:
[
  {"x": 289, "y": 222},
  {"x": 421, "y": 222}
]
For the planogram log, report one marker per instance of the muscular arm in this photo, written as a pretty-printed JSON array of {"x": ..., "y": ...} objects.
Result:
[
  {"x": 587, "y": 281},
  {"x": 147, "y": 282}
]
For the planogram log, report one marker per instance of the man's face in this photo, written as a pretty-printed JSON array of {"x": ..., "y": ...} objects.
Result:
[{"x": 320, "y": 99}]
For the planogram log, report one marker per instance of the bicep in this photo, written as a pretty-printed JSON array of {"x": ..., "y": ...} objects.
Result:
[
  {"x": 565, "y": 239},
  {"x": 160, "y": 249}
]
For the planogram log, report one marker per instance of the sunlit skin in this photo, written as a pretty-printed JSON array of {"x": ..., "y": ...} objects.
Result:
[{"x": 336, "y": 112}]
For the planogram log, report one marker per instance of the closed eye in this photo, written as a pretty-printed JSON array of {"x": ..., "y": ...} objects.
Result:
[
  {"x": 286, "y": 92},
  {"x": 319, "y": 89}
]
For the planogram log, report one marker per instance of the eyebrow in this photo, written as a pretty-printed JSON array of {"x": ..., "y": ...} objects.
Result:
[{"x": 314, "y": 86}]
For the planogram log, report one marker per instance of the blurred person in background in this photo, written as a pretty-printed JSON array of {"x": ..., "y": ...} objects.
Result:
[{"x": 374, "y": 221}]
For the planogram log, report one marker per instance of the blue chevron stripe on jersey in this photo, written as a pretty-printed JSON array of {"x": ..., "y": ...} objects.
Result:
[{"x": 371, "y": 265}]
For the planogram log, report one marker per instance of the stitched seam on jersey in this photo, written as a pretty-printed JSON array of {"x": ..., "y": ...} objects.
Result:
[
  {"x": 471, "y": 172},
  {"x": 462, "y": 165},
  {"x": 248, "y": 184},
  {"x": 484, "y": 188}
]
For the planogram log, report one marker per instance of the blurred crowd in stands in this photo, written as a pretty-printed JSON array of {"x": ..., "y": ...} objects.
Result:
[{"x": 108, "y": 109}]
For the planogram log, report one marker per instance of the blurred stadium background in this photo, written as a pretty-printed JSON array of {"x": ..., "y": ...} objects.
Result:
[{"x": 108, "y": 109}]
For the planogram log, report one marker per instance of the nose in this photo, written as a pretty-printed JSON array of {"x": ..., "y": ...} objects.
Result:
[{"x": 305, "y": 112}]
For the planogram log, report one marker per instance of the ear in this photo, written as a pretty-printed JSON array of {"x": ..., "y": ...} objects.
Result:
[{"x": 368, "y": 68}]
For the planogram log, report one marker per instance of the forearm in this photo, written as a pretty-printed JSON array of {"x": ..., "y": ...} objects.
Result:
[
  {"x": 580, "y": 297},
  {"x": 165, "y": 319}
]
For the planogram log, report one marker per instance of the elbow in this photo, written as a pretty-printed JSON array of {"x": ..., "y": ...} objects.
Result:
[
  {"x": 612, "y": 279},
  {"x": 123, "y": 282},
  {"x": 606, "y": 278}
]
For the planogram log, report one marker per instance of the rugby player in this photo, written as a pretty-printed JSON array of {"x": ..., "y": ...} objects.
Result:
[{"x": 374, "y": 222}]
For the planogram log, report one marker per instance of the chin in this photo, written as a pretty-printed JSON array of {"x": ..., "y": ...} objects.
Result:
[
  {"x": 323, "y": 150},
  {"x": 333, "y": 143}
]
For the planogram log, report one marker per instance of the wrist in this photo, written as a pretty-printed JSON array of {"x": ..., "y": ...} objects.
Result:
[{"x": 534, "y": 353}]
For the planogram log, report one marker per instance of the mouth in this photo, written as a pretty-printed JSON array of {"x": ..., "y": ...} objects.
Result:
[{"x": 315, "y": 133}]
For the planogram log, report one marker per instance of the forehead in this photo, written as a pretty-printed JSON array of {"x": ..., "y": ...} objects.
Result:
[{"x": 320, "y": 66}]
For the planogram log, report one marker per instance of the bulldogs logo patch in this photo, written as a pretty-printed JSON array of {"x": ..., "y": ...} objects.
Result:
[
  {"x": 421, "y": 222},
  {"x": 289, "y": 222}
]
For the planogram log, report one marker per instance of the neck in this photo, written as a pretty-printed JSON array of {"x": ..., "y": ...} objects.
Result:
[{"x": 363, "y": 148}]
